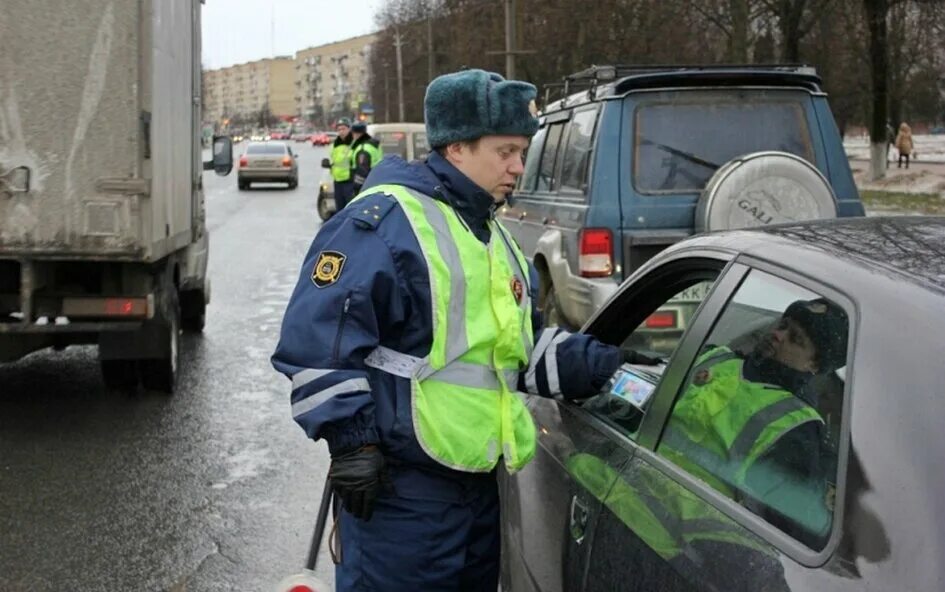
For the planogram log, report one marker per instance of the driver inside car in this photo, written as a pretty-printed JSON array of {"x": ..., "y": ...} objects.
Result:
[{"x": 747, "y": 423}]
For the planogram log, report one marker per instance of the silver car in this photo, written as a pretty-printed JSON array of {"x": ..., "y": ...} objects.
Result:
[{"x": 268, "y": 162}]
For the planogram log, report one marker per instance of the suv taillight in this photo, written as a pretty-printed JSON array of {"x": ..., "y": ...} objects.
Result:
[
  {"x": 244, "y": 161},
  {"x": 596, "y": 253}
]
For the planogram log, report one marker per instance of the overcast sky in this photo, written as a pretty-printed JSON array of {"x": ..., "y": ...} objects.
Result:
[{"x": 237, "y": 31}]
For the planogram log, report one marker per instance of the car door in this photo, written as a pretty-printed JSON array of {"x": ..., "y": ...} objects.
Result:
[
  {"x": 662, "y": 525},
  {"x": 551, "y": 507}
]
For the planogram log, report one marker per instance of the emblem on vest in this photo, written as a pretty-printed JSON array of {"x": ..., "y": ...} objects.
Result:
[
  {"x": 702, "y": 377},
  {"x": 518, "y": 290},
  {"x": 328, "y": 268}
]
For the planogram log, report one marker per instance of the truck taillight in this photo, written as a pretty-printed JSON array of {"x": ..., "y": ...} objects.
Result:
[
  {"x": 128, "y": 308},
  {"x": 286, "y": 161},
  {"x": 661, "y": 319},
  {"x": 596, "y": 253},
  {"x": 244, "y": 161}
]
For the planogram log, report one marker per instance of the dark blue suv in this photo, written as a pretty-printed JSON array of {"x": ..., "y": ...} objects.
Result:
[{"x": 642, "y": 157}]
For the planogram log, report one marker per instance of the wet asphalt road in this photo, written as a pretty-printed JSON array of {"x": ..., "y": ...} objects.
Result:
[{"x": 215, "y": 488}]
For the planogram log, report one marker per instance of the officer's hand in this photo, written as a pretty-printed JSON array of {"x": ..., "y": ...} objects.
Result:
[
  {"x": 357, "y": 477},
  {"x": 634, "y": 357}
]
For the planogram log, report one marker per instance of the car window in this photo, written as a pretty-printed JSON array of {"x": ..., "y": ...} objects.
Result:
[
  {"x": 266, "y": 149},
  {"x": 625, "y": 400},
  {"x": 679, "y": 144},
  {"x": 532, "y": 159},
  {"x": 549, "y": 156},
  {"x": 393, "y": 143},
  {"x": 758, "y": 417},
  {"x": 577, "y": 150},
  {"x": 420, "y": 144}
]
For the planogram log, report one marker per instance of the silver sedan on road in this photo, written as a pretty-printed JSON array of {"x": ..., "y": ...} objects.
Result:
[{"x": 268, "y": 162}]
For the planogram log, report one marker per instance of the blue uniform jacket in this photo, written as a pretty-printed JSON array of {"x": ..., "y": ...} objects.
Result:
[{"x": 381, "y": 296}]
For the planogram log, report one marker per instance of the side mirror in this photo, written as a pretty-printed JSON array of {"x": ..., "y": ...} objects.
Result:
[
  {"x": 326, "y": 164},
  {"x": 222, "y": 162}
]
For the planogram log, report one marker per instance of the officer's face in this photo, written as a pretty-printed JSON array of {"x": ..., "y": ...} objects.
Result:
[
  {"x": 789, "y": 344},
  {"x": 494, "y": 162},
  {"x": 343, "y": 131}
]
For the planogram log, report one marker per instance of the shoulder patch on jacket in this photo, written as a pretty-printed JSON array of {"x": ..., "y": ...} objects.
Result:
[{"x": 368, "y": 212}]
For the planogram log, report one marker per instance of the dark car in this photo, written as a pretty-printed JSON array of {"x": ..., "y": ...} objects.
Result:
[
  {"x": 642, "y": 157},
  {"x": 613, "y": 501}
]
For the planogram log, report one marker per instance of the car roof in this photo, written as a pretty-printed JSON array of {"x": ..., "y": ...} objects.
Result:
[
  {"x": 911, "y": 248},
  {"x": 630, "y": 78}
]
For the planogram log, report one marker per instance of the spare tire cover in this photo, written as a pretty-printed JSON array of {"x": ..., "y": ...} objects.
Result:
[{"x": 764, "y": 188}]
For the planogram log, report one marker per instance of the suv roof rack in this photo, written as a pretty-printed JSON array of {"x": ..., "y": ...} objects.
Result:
[{"x": 591, "y": 78}]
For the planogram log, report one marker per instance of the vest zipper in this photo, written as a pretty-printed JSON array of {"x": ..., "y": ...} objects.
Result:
[{"x": 341, "y": 327}]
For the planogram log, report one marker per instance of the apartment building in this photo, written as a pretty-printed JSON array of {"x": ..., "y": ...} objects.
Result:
[
  {"x": 332, "y": 80},
  {"x": 240, "y": 92}
]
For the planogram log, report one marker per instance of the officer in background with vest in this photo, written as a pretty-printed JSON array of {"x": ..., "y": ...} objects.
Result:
[
  {"x": 340, "y": 163},
  {"x": 365, "y": 155},
  {"x": 410, "y": 331},
  {"x": 747, "y": 424}
]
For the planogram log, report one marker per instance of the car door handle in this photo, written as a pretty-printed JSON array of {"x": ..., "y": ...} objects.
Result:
[
  {"x": 579, "y": 515},
  {"x": 544, "y": 221},
  {"x": 522, "y": 216}
]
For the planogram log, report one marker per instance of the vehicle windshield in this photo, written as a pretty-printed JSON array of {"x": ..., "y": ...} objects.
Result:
[
  {"x": 681, "y": 141},
  {"x": 266, "y": 149},
  {"x": 393, "y": 143}
]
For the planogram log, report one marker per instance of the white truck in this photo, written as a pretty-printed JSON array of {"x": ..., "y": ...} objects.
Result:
[{"x": 102, "y": 222}]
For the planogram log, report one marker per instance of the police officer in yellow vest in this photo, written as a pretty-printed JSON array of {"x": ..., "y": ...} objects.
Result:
[
  {"x": 748, "y": 425},
  {"x": 340, "y": 162},
  {"x": 366, "y": 153},
  {"x": 409, "y": 338}
]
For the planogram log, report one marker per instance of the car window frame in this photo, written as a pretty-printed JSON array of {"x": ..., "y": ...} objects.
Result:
[
  {"x": 520, "y": 188},
  {"x": 567, "y": 191},
  {"x": 561, "y": 119},
  {"x": 656, "y": 419}
]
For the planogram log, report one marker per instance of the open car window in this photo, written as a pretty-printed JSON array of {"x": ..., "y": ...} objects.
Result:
[{"x": 649, "y": 345}]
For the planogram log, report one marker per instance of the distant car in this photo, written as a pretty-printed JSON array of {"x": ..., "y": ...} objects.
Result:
[
  {"x": 322, "y": 139},
  {"x": 937, "y": 130},
  {"x": 268, "y": 162},
  {"x": 628, "y": 493},
  {"x": 406, "y": 140}
]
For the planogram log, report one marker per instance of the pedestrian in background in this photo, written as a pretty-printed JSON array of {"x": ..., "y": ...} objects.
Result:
[
  {"x": 365, "y": 155},
  {"x": 340, "y": 163},
  {"x": 904, "y": 143},
  {"x": 410, "y": 331}
]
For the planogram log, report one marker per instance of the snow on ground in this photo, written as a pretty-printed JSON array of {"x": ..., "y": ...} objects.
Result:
[
  {"x": 918, "y": 178},
  {"x": 928, "y": 148}
]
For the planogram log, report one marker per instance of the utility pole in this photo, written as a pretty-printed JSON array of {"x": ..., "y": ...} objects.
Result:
[
  {"x": 510, "y": 13},
  {"x": 430, "y": 46},
  {"x": 510, "y": 42},
  {"x": 398, "y": 42}
]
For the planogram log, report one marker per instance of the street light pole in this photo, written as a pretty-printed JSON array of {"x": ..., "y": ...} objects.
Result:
[
  {"x": 510, "y": 39},
  {"x": 398, "y": 42}
]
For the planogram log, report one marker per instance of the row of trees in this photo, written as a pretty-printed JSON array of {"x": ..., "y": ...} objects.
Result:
[{"x": 882, "y": 57}]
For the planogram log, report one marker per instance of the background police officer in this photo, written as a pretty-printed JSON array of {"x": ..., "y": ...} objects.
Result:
[
  {"x": 365, "y": 154},
  {"x": 340, "y": 161},
  {"x": 410, "y": 330}
]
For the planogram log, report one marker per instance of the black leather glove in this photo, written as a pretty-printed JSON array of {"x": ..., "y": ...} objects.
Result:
[
  {"x": 634, "y": 357},
  {"x": 357, "y": 477}
]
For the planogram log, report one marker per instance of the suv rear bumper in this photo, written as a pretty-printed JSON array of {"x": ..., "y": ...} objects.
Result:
[{"x": 579, "y": 297}]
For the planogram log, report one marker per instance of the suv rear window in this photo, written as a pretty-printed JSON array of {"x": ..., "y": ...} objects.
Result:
[
  {"x": 680, "y": 143},
  {"x": 266, "y": 149}
]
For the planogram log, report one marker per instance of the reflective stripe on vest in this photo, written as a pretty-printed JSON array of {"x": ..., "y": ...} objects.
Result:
[
  {"x": 341, "y": 162},
  {"x": 373, "y": 151},
  {"x": 720, "y": 428},
  {"x": 466, "y": 412}
]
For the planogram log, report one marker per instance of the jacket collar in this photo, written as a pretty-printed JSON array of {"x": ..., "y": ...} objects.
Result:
[{"x": 470, "y": 201}]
